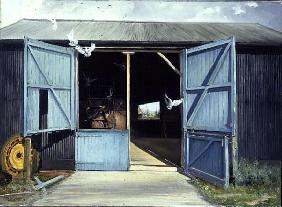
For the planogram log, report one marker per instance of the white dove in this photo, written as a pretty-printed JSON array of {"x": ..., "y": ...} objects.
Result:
[
  {"x": 86, "y": 51},
  {"x": 54, "y": 22},
  {"x": 171, "y": 103},
  {"x": 73, "y": 42}
]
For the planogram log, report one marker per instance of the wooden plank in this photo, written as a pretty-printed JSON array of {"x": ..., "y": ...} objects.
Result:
[
  {"x": 209, "y": 81},
  {"x": 169, "y": 63},
  {"x": 102, "y": 150},
  {"x": 56, "y": 84},
  {"x": 191, "y": 162}
]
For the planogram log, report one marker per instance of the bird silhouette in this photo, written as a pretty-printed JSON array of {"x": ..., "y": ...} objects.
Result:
[{"x": 88, "y": 80}]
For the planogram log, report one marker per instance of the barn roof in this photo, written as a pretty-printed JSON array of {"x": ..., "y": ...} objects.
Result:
[{"x": 152, "y": 32}]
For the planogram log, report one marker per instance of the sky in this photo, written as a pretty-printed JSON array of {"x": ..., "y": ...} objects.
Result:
[{"x": 264, "y": 12}]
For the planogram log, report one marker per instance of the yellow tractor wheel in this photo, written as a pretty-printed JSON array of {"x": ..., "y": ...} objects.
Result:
[{"x": 12, "y": 156}]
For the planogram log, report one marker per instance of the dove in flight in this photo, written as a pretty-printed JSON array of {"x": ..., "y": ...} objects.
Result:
[{"x": 171, "y": 103}]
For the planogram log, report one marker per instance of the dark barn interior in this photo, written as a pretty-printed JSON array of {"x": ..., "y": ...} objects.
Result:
[
  {"x": 102, "y": 91},
  {"x": 102, "y": 99},
  {"x": 151, "y": 79}
]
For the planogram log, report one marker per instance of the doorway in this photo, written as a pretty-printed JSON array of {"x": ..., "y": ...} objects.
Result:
[{"x": 154, "y": 128}]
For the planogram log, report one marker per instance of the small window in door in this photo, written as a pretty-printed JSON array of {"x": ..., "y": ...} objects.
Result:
[{"x": 43, "y": 108}]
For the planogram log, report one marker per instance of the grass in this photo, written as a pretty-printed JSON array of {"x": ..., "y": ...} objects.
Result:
[
  {"x": 256, "y": 185},
  {"x": 16, "y": 185},
  {"x": 254, "y": 195}
]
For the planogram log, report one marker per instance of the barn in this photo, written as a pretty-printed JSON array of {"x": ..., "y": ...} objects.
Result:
[{"x": 82, "y": 112}]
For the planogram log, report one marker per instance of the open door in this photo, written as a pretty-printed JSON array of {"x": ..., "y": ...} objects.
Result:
[
  {"x": 49, "y": 87},
  {"x": 209, "y": 109}
]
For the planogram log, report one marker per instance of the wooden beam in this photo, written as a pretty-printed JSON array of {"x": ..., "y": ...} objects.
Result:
[
  {"x": 27, "y": 158},
  {"x": 169, "y": 63},
  {"x": 128, "y": 88}
]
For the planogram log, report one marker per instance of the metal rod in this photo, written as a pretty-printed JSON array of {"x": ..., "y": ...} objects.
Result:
[
  {"x": 49, "y": 182},
  {"x": 169, "y": 63}
]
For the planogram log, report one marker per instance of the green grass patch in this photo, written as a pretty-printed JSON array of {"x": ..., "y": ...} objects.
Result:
[
  {"x": 259, "y": 195},
  {"x": 256, "y": 185}
]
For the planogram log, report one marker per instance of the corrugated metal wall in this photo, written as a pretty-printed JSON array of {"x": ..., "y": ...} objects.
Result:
[
  {"x": 11, "y": 91},
  {"x": 259, "y": 92},
  {"x": 56, "y": 150}
]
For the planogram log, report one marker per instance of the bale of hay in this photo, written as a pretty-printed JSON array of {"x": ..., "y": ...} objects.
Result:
[{"x": 120, "y": 117}]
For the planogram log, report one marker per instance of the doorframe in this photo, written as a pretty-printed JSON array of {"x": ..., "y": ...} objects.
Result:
[{"x": 128, "y": 52}]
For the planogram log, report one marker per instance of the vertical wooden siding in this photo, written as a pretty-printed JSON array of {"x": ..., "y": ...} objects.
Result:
[
  {"x": 56, "y": 150},
  {"x": 11, "y": 91},
  {"x": 51, "y": 68},
  {"x": 102, "y": 150},
  {"x": 259, "y": 94}
]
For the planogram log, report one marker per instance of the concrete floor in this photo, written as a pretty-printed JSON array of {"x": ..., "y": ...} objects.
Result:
[{"x": 150, "y": 182}]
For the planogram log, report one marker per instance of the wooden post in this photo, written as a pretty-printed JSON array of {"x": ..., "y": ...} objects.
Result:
[
  {"x": 235, "y": 158},
  {"x": 27, "y": 158},
  {"x": 128, "y": 90},
  {"x": 128, "y": 100}
]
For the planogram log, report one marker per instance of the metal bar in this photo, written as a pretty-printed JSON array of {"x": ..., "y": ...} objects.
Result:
[
  {"x": 200, "y": 154},
  {"x": 49, "y": 182},
  {"x": 169, "y": 63}
]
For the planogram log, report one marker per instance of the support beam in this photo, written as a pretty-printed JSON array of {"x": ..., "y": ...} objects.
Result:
[
  {"x": 27, "y": 158},
  {"x": 128, "y": 88},
  {"x": 169, "y": 63},
  {"x": 128, "y": 54}
]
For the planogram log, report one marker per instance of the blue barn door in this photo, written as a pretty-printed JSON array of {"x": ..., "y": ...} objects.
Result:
[
  {"x": 209, "y": 109},
  {"x": 49, "y": 87}
]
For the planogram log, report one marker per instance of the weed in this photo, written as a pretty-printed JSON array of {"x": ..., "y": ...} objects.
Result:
[{"x": 254, "y": 173}]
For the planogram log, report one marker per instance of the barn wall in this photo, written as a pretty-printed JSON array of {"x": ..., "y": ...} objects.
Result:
[
  {"x": 11, "y": 91},
  {"x": 56, "y": 150},
  {"x": 259, "y": 96}
]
